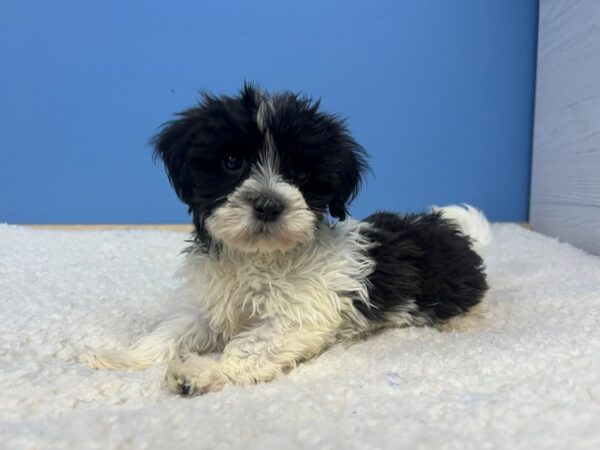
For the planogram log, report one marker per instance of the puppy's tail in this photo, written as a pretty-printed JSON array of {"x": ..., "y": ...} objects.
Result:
[{"x": 471, "y": 222}]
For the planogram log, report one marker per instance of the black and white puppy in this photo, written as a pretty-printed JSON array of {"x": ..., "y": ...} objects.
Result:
[{"x": 269, "y": 280}]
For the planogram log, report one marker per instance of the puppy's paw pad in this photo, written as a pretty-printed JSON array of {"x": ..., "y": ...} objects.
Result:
[
  {"x": 194, "y": 376},
  {"x": 178, "y": 383},
  {"x": 185, "y": 389}
]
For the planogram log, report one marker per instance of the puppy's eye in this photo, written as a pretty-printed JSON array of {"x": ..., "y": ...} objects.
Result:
[
  {"x": 299, "y": 175},
  {"x": 233, "y": 163}
]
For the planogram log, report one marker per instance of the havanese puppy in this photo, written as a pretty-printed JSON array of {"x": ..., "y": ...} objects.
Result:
[{"x": 270, "y": 279}]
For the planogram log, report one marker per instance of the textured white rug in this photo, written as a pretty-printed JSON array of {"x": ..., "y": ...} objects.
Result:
[{"x": 528, "y": 378}]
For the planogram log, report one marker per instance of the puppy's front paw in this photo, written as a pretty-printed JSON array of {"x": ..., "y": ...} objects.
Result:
[{"x": 194, "y": 375}]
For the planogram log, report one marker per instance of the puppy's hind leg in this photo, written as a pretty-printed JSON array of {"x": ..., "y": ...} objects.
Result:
[
  {"x": 471, "y": 320},
  {"x": 186, "y": 331}
]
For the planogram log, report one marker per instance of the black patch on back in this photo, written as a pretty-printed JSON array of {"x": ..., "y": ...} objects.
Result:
[{"x": 422, "y": 258}]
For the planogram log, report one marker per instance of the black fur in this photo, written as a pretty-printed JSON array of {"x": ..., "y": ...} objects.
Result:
[
  {"x": 194, "y": 145},
  {"x": 424, "y": 259}
]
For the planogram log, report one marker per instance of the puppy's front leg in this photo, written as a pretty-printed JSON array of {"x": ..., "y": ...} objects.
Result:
[
  {"x": 184, "y": 332},
  {"x": 252, "y": 356}
]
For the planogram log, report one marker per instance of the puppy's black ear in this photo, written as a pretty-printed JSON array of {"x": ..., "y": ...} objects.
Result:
[
  {"x": 171, "y": 145},
  {"x": 177, "y": 138},
  {"x": 351, "y": 167}
]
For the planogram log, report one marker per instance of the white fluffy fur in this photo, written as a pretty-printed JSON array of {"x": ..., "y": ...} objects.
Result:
[
  {"x": 264, "y": 311},
  {"x": 472, "y": 223}
]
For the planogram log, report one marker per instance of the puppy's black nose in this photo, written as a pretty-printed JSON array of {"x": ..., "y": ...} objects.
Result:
[{"x": 267, "y": 210}]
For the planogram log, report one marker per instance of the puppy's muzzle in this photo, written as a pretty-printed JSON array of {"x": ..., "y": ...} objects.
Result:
[{"x": 267, "y": 209}]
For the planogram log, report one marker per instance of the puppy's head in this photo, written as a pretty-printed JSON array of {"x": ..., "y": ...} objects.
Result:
[{"x": 258, "y": 170}]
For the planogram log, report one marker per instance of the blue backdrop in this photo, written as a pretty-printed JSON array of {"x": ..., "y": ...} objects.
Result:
[{"x": 439, "y": 92}]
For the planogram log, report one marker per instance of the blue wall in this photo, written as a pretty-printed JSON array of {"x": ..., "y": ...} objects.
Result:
[{"x": 440, "y": 93}]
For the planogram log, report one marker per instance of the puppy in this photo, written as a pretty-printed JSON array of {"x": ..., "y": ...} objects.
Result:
[{"x": 270, "y": 280}]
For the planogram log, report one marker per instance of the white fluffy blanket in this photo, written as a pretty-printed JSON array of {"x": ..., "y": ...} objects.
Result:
[{"x": 529, "y": 377}]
